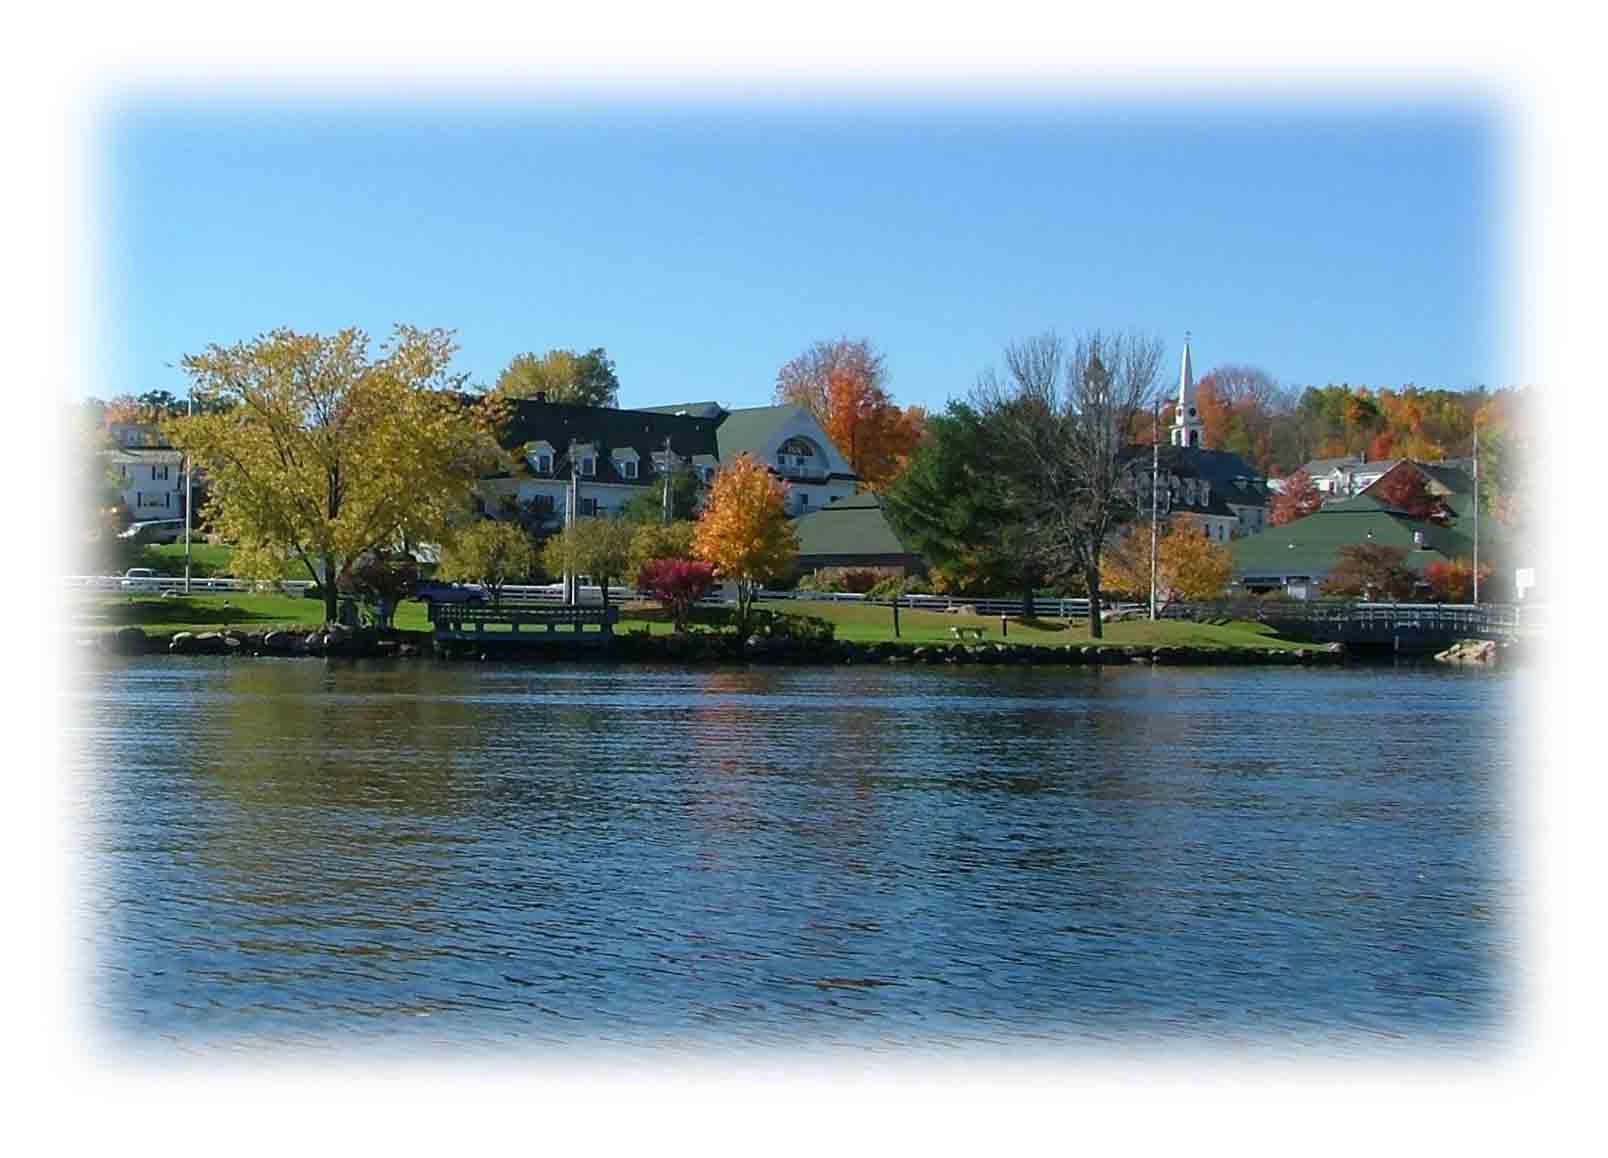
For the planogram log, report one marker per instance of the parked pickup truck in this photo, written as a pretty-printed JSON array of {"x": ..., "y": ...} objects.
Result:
[{"x": 431, "y": 591}]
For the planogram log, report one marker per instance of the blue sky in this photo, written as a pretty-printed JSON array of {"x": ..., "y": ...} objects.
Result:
[{"x": 703, "y": 246}]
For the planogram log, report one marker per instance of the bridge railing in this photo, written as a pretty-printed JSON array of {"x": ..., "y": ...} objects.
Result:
[{"x": 1470, "y": 619}]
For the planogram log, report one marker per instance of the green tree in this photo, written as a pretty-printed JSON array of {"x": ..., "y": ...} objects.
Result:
[
  {"x": 327, "y": 454},
  {"x": 661, "y": 541},
  {"x": 563, "y": 376},
  {"x": 950, "y": 505},
  {"x": 1058, "y": 430},
  {"x": 491, "y": 553},
  {"x": 599, "y": 547},
  {"x": 647, "y": 506}
]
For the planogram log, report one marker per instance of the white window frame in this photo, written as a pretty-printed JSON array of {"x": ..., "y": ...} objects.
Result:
[{"x": 588, "y": 466}]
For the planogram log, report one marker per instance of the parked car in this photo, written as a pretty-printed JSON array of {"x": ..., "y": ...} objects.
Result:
[
  {"x": 154, "y": 531},
  {"x": 140, "y": 579},
  {"x": 432, "y": 591}
]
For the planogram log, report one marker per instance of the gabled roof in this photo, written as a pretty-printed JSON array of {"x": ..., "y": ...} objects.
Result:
[
  {"x": 853, "y": 525},
  {"x": 1311, "y": 546},
  {"x": 692, "y": 409},
  {"x": 147, "y": 454},
  {"x": 1324, "y": 465},
  {"x": 752, "y": 428},
  {"x": 644, "y": 431}
]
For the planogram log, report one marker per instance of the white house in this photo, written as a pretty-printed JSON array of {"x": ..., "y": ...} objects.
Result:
[{"x": 150, "y": 481}]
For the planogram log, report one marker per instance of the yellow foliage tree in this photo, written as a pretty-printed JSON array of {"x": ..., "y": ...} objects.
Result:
[
  {"x": 598, "y": 546},
  {"x": 1189, "y": 566},
  {"x": 744, "y": 530},
  {"x": 490, "y": 553},
  {"x": 325, "y": 454},
  {"x": 661, "y": 541}
]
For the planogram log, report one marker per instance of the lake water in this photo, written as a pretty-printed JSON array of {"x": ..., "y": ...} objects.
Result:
[{"x": 405, "y": 856}]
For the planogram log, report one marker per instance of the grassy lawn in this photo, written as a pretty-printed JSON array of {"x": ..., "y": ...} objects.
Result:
[
  {"x": 168, "y": 559},
  {"x": 853, "y": 621},
  {"x": 211, "y": 612},
  {"x": 865, "y": 624}
]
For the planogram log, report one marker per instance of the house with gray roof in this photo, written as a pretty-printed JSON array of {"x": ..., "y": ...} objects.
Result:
[
  {"x": 1217, "y": 490},
  {"x": 787, "y": 439},
  {"x": 613, "y": 455}
]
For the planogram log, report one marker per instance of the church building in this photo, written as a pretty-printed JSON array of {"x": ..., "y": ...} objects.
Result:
[{"x": 1215, "y": 489}]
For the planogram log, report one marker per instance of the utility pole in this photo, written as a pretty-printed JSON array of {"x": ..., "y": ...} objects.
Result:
[
  {"x": 190, "y": 412},
  {"x": 1155, "y": 491},
  {"x": 572, "y": 511},
  {"x": 668, "y": 468},
  {"x": 1476, "y": 510}
]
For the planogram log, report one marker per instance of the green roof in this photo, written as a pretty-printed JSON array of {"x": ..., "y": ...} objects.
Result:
[
  {"x": 751, "y": 429},
  {"x": 854, "y": 525},
  {"x": 1311, "y": 546}
]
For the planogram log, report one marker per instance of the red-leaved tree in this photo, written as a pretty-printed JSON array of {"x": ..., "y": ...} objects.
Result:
[
  {"x": 1299, "y": 498},
  {"x": 1405, "y": 488},
  {"x": 1453, "y": 582},
  {"x": 677, "y": 584}
]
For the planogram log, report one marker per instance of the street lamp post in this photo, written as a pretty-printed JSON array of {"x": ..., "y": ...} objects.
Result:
[{"x": 189, "y": 413}]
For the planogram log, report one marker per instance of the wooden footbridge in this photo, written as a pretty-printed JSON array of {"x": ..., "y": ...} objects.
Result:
[
  {"x": 1399, "y": 626},
  {"x": 522, "y": 623}
]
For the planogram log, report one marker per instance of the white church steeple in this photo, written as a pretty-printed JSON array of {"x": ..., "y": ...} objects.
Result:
[{"x": 1187, "y": 428}]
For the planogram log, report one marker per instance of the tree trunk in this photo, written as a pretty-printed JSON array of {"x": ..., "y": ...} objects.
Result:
[
  {"x": 331, "y": 596},
  {"x": 1091, "y": 580},
  {"x": 1028, "y": 614},
  {"x": 745, "y": 597}
]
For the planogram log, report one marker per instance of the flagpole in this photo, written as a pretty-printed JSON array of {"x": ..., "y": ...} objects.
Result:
[
  {"x": 189, "y": 413},
  {"x": 1476, "y": 510},
  {"x": 1155, "y": 487}
]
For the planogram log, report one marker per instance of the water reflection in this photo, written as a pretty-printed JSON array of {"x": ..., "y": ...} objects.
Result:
[{"x": 508, "y": 854}]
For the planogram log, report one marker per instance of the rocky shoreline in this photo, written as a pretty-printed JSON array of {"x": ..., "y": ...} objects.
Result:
[{"x": 700, "y": 648}]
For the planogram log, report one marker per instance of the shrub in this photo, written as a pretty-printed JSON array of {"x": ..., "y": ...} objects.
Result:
[
  {"x": 778, "y": 625},
  {"x": 677, "y": 584},
  {"x": 823, "y": 580}
]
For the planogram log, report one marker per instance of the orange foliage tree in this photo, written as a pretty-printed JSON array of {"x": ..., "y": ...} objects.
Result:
[
  {"x": 876, "y": 436},
  {"x": 744, "y": 530},
  {"x": 1299, "y": 498},
  {"x": 1188, "y": 565},
  {"x": 841, "y": 384},
  {"x": 1453, "y": 581}
]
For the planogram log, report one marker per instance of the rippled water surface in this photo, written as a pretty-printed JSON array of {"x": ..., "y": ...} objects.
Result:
[{"x": 345, "y": 854}]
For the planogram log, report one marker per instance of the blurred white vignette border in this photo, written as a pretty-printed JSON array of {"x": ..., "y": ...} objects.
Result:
[{"x": 1535, "y": 71}]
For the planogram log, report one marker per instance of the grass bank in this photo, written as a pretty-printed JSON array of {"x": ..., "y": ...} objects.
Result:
[{"x": 853, "y": 622}]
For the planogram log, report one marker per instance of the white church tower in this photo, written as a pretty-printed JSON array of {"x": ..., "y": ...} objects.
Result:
[{"x": 1187, "y": 428}]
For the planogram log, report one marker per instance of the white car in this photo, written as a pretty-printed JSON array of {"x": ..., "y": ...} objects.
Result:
[{"x": 141, "y": 579}]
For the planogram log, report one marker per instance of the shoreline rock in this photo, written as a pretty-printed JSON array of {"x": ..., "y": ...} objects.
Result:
[{"x": 694, "y": 649}]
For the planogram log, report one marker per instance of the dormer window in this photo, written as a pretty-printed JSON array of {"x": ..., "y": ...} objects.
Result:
[
  {"x": 540, "y": 456},
  {"x": 628, "y": 468},
  {"x": 588, "y": 466}
]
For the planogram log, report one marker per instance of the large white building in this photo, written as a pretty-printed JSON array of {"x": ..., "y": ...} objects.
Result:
[{"x": 615, "y": 455}]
